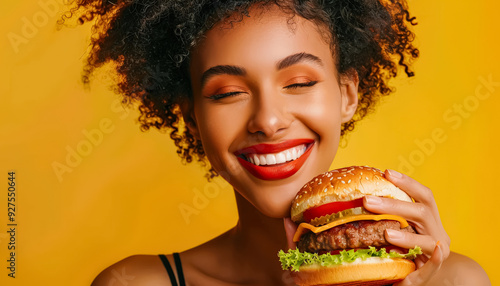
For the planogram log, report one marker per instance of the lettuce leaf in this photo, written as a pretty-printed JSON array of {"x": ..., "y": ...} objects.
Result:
[{"x": 293, "y": 258}]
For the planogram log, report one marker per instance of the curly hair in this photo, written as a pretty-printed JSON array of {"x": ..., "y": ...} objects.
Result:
[{"x": 149, "y": 41}]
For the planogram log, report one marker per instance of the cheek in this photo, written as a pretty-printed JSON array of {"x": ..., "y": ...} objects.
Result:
[
  {"x": 321, "y": 113},
  {"x": 218, "y": 127}
]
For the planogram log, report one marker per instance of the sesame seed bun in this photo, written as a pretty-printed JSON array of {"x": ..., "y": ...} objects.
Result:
[{"x": 344, "y": 185}]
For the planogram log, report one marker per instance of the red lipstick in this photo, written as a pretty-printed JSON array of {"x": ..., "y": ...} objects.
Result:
[{"x": 277, "y": 171}]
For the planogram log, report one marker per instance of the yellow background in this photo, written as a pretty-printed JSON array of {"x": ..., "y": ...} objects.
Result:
[{"x": 123, "y": 198}]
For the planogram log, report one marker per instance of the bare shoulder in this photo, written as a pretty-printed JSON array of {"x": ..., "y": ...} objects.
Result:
[
  {"x": 134, "y": 270},
  {"x": 459, "y": 269}
]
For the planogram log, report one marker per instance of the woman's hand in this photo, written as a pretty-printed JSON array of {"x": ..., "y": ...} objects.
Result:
[{"x": 424, "y": 216}]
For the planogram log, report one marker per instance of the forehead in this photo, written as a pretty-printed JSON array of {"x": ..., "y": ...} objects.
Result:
[{"x": 265, "y": 36}]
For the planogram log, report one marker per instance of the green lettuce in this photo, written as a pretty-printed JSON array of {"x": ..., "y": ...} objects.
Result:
[{"x": 293, "y": 258}]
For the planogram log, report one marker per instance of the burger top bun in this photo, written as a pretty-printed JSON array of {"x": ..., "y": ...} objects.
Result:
[{"x": 344, "y": 184}]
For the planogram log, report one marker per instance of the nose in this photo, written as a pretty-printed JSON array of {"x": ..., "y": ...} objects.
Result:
[{"x": 269, "y": 115}]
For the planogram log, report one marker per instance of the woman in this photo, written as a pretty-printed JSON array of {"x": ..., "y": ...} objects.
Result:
[{"x": 251, "y": 80}]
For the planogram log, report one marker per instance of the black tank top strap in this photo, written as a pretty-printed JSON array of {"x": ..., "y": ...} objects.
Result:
[
  {"x": 170, "y": 271},
  {"x": 178, "y": 266}
]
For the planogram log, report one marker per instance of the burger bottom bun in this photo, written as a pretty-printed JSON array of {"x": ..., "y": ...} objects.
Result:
[{"x": 372, "y": 271}]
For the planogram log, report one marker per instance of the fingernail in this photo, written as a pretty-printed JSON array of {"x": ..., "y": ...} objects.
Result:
[
  {"x": 394, "y": 174},
  {"x": 394, "y": 234},
  {"x": 438, "y": 250},
  {"x": 373, "y": 200}
]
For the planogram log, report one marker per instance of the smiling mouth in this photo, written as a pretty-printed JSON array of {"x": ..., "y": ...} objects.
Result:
[{"x": 273, "y": 159}]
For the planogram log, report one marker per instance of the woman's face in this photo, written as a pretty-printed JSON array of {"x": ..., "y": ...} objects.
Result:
[{"x": 268, "y": 105}]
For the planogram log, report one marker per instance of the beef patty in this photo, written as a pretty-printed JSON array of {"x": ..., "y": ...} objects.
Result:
[{"x": 358, "y": 234}]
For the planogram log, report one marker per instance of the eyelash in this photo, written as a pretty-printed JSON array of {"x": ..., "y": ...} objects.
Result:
[
  {"x": 222, "y": 95},
  {"x": 233, "y": 93},
  {"x": 302, "y": 84}
]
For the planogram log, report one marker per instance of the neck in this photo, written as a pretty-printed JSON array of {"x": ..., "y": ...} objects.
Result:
[
  {"x": 260, "y": 238},
  {"x": 256, "y": 228}
]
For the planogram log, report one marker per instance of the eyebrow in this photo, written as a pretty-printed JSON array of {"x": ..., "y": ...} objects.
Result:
[
  {"x": 222, "y": 69},
  {"x": 240, "y": 71},
  {"x": 297, "y": 58}
]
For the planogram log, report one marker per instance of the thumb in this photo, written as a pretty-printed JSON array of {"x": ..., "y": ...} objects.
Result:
[{"x": 290, "y": 228}]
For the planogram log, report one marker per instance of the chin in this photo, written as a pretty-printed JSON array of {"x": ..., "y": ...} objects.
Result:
[
  {"x": 275, "y": 210},
  {"x": 275, "y": 202},
  {"x": 276, "y": 205}
]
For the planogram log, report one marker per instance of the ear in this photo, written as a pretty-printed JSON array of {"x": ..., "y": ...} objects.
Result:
[
  {"x": 187, "y": 111},
  {"x": 349, "y": 83}
]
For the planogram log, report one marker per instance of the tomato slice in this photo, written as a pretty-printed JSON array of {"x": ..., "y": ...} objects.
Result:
[{"x": 331, "y": 208}]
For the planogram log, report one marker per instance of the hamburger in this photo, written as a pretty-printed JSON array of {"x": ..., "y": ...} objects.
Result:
[{"x": 338, "y": 241}]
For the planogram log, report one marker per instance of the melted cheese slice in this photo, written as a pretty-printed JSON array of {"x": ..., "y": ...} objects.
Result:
[{"x": 305, "y": 227}]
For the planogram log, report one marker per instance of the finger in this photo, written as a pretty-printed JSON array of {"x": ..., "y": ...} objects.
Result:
[
  {"x": 290, "y": 229},
  {"x": 410, "y": 240},
  {"x": 417, "y": 213},
  {"x": 413, "y": 188},
  {"x": 425, "y": 273},
  {"x": 421, "y": 260}
]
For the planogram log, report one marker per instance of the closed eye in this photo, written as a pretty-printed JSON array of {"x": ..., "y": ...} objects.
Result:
[
  {"x": 223, "y": 95},
  {"x": 302, "y": 84}
]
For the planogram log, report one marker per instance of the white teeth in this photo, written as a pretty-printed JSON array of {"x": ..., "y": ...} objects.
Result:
[
  {"x": 256, "y": 160},
  {"x": 270, "y": 159},
  {"x": 262, "y": 160},
  {"x": 300, "y": 152},
  {"x": 294, "y": 153},
  {"x": 280, "y": 158},
  {"x": 277, "y": 158}
]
